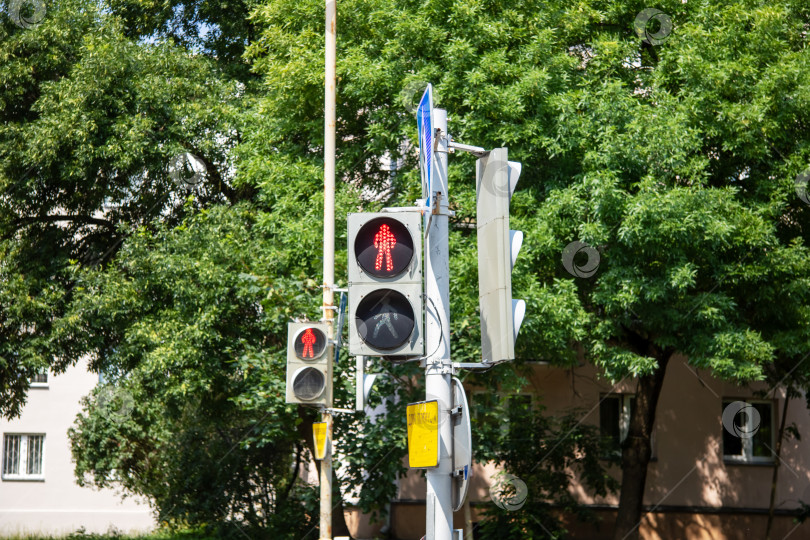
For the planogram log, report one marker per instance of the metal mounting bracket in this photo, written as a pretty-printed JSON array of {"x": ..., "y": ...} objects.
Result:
[
  {"x": 443, "y": 369},
  {"x": 398, "y": 209},
  {"x": 473, "y": 365},
  {"x": 330, "y": 410},
  {"x": 477, "y": 151}
]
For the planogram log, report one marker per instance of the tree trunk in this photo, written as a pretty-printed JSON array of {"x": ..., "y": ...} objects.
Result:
[
  {"x": 636, "y": 452},
  {"x": 778, "y": 451}
]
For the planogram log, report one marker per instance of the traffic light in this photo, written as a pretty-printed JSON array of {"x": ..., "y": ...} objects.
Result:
[
  {"x": 309, "y": 367},
  {"x": 385, "y": 284},
  {"x": 498, "y": 247}
]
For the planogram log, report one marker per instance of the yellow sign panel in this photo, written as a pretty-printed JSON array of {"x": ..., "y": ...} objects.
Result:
[
  {"x": 319, "y": 433},
  {"x": 423, "y": 434}
]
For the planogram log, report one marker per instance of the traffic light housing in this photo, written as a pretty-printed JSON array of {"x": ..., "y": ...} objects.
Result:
[
  {"x": 498, "y": 247},
  {"x": 385, "y": 284},
  {"x": 309, "y": 366}
]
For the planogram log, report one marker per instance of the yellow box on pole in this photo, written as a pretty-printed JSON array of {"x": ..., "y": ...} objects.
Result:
[
  {"x": 423, "y": 434},
  {"x": 319, "y": 434}
]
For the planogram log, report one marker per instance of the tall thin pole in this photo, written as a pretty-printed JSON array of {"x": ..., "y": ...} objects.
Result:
[
  {"x": 438, "y": 367},
  {"x": 328, "y": 246}
]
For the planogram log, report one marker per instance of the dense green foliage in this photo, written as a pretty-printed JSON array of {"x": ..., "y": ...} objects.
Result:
[
  {"x": 677, "y": 162},
  {"x": 89, "y": 123},
  {"x": 545, "y": 453},
  {"x": 679, "y": 172},
  {"x": 218, "y": 442}
]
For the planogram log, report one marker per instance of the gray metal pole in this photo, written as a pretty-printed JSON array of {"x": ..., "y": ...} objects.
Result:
[
  {"x": 360, "y": 384},
  {"x": 438, "y": 367},
  {"x": 328, "y": 247}
]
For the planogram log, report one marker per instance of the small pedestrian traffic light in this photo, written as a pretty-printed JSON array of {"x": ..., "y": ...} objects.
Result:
[
  {"x": 385, "y": 284},
  {"x": 309, "y": 367}
]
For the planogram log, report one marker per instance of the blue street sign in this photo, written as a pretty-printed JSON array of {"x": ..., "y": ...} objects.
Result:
[{"x": 424, "y": 122}]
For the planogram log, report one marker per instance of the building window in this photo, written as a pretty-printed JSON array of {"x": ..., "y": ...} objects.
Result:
[
  {"x": 614, "y": 421},
  {"x": 40, "y": 380},
  {"x": 614, "y": 416},
  {"x": 748, "y": 431},
  {"x": 23, "y": 457}
]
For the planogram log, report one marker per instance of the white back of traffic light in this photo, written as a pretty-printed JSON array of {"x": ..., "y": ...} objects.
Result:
[{"x": 498, "y": 248}]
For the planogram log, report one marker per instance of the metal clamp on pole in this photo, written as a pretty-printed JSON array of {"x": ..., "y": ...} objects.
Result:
[
  {"x": 437, "y": 136},
  {"x": 339, "y": 329},
  {"x": 430, "y": 220},
  {"x": 437, "y": 204},
  {"x": 333, "y": 288}
]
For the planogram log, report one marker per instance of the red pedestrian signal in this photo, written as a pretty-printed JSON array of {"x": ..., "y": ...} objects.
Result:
[
  {"x": 308, "y": 339},
  {"x": 383, "y": 247},
  {"x": 384, "y": 241},
  {"x": 310, "y": 343}
]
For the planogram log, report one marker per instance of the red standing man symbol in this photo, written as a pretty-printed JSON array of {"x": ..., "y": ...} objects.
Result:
[
  {"x": 384, "y": 241},
  {"x": 308, "y": 339}
]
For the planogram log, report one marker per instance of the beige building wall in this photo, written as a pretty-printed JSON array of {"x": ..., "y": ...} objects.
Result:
[
  {"x": 56, "y": 504},
  {"x": 694, "y": 492},
  {"x": 688, "y": 467}
]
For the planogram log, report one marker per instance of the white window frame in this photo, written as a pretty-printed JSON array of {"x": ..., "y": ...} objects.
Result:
[
  {"x": 748, "y": 443},
  {"x": 45, "y": 384},
  {"x": 624, "y": 420},
  {"x": 23, "y": 476},
  {"x": 624, "y": 417},
  {"x": 624, "y": 413}
]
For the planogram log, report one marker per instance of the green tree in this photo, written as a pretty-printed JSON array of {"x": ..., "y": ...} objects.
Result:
[
  {"x": 218, "y": 30},
  {"x": 512, "y": 431},
  {"x": 209, "y": 438},
  {"x": 90, "y": 124},
  {"x": 92, "y": 120},
  {"x": 675, "y": 161}
]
